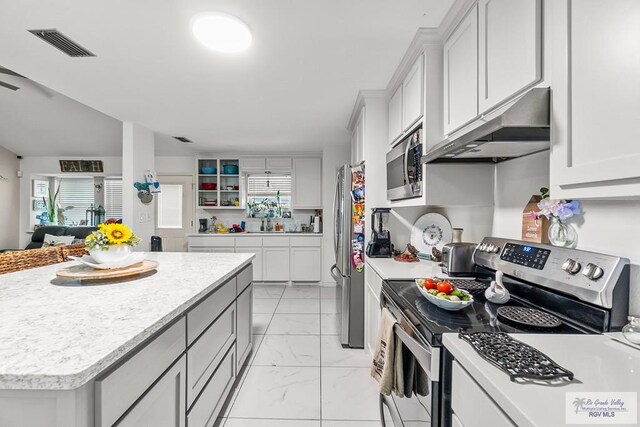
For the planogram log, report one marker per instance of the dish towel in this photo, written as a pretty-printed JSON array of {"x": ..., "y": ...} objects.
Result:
[
  {"x": 404, "y": 367},
  {"x": 383, "y": 367}
]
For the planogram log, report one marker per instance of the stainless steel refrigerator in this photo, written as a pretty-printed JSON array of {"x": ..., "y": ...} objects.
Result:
[{"x": 348, "y": 239}]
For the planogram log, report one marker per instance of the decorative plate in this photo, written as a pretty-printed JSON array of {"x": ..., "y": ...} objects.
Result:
[
  {"x": 133, "y": 258},
  {"x": 431, "y": 230},
  {"x": 84, "y": 272}
]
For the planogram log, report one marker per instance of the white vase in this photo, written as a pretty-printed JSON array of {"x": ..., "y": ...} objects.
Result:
[{"x": 115, "y": 253}]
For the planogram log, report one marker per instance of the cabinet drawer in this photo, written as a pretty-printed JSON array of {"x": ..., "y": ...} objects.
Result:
[
  {"x": 208, "y": 406},
  {"x": 244, "y": 279},
  {"x": 306, "y": 241},
  {"x": 248, "y": 241},
  {"x": 275, "y": 241},
  {"x": 163, "y": 404},
  {"x": 202, "y": 315},
  {"x": 115, "y": 392},
  {"x": 204, "y": 356},
  {"x": 472, "y": 406},
  {"x": 211, "y": 241}
]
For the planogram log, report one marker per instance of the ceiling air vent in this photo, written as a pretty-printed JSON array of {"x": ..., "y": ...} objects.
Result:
[
  {"x": 58, "y": 40},
  {"x": 183, "y": 139}
]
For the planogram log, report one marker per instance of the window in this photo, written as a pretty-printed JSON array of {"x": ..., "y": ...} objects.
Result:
[
  {"x": 75, "y": 196},
  {"x": 262, "y": 195},
  {"x": 113, "y": 198},
  {"x": 170, "y": 206}
]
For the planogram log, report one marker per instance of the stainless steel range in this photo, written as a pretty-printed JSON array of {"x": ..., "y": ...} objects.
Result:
[{"x": 553, "y": 290}]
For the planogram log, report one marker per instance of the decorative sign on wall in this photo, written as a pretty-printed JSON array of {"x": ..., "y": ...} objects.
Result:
[{"x": 81, "y": 166}]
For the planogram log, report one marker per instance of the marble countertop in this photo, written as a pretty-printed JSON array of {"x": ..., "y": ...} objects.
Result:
[
  {"x": 599, "y": 363},
  {"x": 58, "y": 335},
  {"x": 252, "y": 234},
  {"x": 390, "y": 269}
]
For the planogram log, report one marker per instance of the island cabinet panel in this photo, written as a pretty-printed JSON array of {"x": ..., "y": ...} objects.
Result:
[
  {"x": 471, "y": 405},
  {"x": 209, "y": 404},
  {"x": 244, "y": 340},
  {"x": 163, "y": 405},
  {"x": 120, "y": 387},
  {"x": 244, "y": 279},
  {"x": 204, "y": 356},
  {"x": 201, "y": 316}
]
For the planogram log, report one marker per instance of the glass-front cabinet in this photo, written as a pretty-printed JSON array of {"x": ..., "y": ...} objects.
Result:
[{"x": 219, "y": 184}]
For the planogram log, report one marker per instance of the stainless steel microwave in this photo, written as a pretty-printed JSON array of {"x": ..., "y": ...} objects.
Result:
[{"x": 404, "y": 170}]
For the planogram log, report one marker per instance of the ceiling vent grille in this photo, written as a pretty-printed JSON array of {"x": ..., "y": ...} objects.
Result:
[
  {"x": 183, "y": 139},
  {"x": 58, "y": 40}
]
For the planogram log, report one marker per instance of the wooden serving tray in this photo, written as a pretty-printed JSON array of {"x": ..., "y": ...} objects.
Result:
[{"x": 84, "y": 272}]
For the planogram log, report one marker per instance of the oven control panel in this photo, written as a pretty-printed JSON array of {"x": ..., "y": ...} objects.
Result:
[{"x": 525, "y": 255}]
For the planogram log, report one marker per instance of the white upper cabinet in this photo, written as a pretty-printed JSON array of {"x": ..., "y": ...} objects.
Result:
[
  {"x": 357, "y": 139},
  {"x": 307, "y": 183},
  {"x": 412, "y": 94},
  {"x": 461, "y": 73},
  {"x": 395, "y": 115},
  {"x": 509, "y": 46},
  {"x": 279, "y": 164},
  {"x": 251, "y": 164},
  {"x": 596, "y": 99}
]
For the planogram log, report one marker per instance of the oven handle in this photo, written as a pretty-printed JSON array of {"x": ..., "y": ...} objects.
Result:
[{"x": 431, "y": 365}]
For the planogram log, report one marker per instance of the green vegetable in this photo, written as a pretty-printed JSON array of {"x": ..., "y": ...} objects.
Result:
[
  {"x": 458, "y": 293},
  {"x": 441, "y": 295},
  {"x": 433, "y": 291}
]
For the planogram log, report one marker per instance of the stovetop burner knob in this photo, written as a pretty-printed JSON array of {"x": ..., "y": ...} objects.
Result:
[
  {"x": 571, "y": 266},
  {"x": 593, "y": 272}
]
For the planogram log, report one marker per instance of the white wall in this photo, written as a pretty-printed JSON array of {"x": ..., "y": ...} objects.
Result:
[
  {"x": 36, "y": 166},
  {"x": 138, "y": 147},
  {"x": 607, "y": 226},
  {"x": 333, "y": 156},
  {"x": 10, "y": 197}
]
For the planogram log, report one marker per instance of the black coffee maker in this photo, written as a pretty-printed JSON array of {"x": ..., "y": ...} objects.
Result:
[
  {"x": 380, "y": 244},
  {"x": 203, "y": 225}
]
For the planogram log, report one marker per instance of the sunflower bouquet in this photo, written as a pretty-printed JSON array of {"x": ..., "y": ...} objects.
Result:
[{"x": 109, "y": 235}]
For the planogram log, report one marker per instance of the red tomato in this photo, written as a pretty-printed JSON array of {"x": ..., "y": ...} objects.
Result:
[
  {"x": 445, "y": 287},
  {"x": 430, "y": 284}
]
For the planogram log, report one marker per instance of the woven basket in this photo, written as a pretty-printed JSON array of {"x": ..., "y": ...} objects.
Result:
[
  {"x": 32, "y": 258},
  {"x": 77, "y": 250}
]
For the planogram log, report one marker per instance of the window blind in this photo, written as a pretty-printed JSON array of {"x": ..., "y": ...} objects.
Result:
[
  {"x": 257, "y": 185},
  {"x": 113, "y": 198},
  {"x": 76, "y": 194}
]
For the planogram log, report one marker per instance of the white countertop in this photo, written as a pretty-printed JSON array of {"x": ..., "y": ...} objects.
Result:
[
  {"x": 58, "y": 335},
  {"x": 599, "y": 363},
  {"x": 254, "y": 234},
  {"x": 390, "y": 269}
]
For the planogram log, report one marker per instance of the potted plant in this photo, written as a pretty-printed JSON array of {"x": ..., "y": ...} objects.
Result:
[{"x": 112, "y": 242}]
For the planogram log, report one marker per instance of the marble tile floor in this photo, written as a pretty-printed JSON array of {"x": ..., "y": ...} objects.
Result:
[{"x": 298, "y": 374}]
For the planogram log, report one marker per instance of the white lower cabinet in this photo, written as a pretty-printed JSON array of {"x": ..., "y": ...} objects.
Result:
[
  {"x": 163, "y": 405},
  {"x": 276, "y": 264},
  {"x": 244, "y": 337},
  {"x": 471, "y": 405},
  {"x": 257, "y": 261},
  {"x": 306, "y": 264},
  {"x": 213, "y": 249}
]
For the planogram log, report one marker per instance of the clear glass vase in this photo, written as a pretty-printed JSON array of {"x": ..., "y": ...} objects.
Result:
[
  {"x": 631, "y": 331},
  {"x": 562, "y": 234}
]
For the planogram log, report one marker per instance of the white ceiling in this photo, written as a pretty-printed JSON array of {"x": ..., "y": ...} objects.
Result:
[{"x": 293, "y": 90}]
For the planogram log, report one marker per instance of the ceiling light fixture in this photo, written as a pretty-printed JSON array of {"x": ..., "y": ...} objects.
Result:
[{"x": 221, "y": 32}]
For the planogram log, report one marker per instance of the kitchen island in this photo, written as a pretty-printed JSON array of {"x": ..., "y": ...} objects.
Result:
[{"x": 160, "y": 348}]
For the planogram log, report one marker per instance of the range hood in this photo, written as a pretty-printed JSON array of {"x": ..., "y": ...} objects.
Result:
[{"x": 520, "y": 130}]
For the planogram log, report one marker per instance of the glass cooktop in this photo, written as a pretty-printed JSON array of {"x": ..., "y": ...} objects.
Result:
[{"x": 481, "y": 316}]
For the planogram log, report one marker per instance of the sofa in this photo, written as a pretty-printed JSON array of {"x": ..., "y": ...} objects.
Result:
[{"x": 37, "y": 238}]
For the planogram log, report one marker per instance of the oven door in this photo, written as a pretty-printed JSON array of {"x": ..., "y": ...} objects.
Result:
[
  {"x": 398, "y": 185},
  {"x": 417, "y": 410}
]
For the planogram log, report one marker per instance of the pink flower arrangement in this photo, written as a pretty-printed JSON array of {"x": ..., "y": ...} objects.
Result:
[{"x": 552, "y": 208}]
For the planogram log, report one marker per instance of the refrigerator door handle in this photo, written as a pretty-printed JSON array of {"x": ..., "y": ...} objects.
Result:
[
  {"x": 336, "y": 226},
  {"x": 336, "y": 277}
]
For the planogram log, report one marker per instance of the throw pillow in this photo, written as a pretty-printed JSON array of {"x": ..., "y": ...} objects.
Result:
[{"x": 51, "y": 240}]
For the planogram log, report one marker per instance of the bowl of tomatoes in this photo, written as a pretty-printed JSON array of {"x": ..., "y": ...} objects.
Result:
[{"x": 443, "y": 294}]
